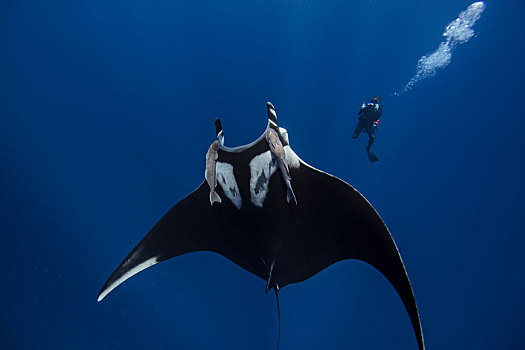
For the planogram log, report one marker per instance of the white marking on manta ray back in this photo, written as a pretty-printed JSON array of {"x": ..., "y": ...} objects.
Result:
[
  {"x": 262, "y": 167},
  {"x": 133, "y": 271},
  {"x": 226, "y": 178}
]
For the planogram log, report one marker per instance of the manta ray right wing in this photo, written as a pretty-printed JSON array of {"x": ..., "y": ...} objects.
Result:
[{"x": 334, "y": 222}]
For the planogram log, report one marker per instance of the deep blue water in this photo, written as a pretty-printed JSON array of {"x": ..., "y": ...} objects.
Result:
[{"x": 107, "y": 110}]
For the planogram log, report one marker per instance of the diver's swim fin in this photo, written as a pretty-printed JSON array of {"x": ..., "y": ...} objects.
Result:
[{"x": 372, "y": 157}]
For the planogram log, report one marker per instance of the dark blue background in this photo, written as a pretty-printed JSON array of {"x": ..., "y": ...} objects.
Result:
[{"x": 107, "y": 110}]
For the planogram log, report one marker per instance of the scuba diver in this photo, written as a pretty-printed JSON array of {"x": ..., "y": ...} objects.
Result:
[{"x": 369, "y": 115}]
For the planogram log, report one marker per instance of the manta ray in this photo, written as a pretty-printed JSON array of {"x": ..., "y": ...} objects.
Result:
[{"x": 269, "y": 212}]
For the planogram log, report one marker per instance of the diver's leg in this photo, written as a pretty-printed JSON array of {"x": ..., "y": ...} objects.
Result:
[
  {"x": 371, "y": 137},
  {"x": 357, "y": 130}
]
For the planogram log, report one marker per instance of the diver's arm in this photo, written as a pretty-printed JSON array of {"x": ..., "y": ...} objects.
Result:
[{"x": 362, "y": 110}]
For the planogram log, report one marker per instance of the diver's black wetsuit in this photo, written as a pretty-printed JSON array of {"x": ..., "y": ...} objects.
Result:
[{"x": 369, "y": 115}]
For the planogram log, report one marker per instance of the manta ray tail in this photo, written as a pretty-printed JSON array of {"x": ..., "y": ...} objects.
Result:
[{"x": 278, "y": 316}]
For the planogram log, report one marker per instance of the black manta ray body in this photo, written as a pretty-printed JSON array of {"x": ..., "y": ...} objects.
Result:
[{"x": 275, "y": 216}]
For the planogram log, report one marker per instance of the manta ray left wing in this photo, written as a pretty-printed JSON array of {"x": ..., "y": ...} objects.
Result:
[
  {"x": 269, "y": 212},
  {"x": 189, "y": 226}
]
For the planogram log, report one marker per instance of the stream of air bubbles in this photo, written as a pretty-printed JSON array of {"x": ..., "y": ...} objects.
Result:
[{"x": 459, "y": 31}]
